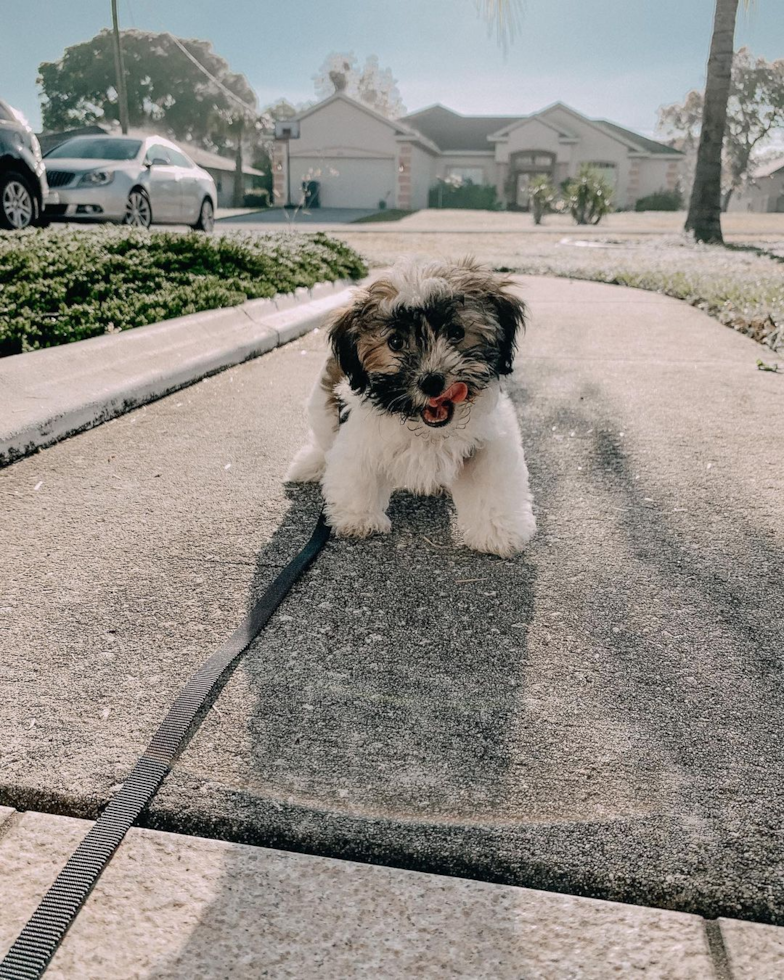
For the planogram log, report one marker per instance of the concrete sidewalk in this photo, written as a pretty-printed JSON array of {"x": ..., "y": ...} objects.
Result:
[
  {"x": 171, "y": 907},
  {"x": 600, "y": 717},
  {"x": 49, "y": 394}
]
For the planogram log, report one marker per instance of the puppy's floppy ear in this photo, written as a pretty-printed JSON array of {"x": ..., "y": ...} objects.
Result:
[
  {"x": 511, "y": 313},
  {"x": 343, "y": 335}
]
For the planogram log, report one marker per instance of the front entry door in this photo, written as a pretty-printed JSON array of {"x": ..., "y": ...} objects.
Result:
[{"x": 522, "y": 199}]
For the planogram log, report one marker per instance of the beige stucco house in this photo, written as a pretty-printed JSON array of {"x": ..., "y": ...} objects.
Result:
[
  {"x": 362, "y": 158},
  {"x": 764, "y": 191}
]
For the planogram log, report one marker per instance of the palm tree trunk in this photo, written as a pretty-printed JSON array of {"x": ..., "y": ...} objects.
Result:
[{"x": 704, "y": 217}]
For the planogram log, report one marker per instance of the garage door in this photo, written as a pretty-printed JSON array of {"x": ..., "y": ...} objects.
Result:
[{"x": 357, "y": 184}]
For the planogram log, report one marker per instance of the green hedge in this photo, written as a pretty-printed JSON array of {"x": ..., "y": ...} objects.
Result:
[
  {"x": 61, "y": 285},
  {"x": 477, "y": 197},
  {"x": 660, "y": 201}
]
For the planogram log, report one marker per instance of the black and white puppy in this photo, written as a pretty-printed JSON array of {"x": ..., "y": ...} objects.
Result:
[{"x": 415, "y": 375}]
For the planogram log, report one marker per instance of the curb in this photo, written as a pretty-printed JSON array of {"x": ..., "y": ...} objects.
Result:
[{"x": 51, "y": 394}]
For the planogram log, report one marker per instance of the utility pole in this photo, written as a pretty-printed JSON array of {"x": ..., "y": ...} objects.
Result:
[{"x": 119, "y": 68}]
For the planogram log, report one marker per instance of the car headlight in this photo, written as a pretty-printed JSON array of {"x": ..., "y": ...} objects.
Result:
[{"x": 96, "y": 178}]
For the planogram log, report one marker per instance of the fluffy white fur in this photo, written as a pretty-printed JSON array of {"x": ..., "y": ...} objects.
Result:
[{"x": 478, "y": 458}]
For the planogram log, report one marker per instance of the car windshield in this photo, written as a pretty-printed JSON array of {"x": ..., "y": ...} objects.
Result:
[{"x": 100, "y": 149}]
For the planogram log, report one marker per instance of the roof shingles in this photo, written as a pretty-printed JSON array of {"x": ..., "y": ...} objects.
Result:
[{"x": 452, "y": 132}]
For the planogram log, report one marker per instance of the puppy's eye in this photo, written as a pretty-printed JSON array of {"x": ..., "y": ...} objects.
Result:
[
  {"x": 455, "y": 333},
  {"x": 396, "y": 342}
]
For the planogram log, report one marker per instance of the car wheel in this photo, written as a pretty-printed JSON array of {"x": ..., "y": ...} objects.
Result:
[
  {"x": 138, "y": 211},
  {"x": 206, "y": 220},
  {"x": 17, "y": 202}
]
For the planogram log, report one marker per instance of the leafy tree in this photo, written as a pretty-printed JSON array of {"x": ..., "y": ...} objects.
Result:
[
  {"x": 374, "y": 86},
  {"x": 755, "y": 110},
  {"x": 166, "y": 90},
  {"x": 283, "y": 109}
]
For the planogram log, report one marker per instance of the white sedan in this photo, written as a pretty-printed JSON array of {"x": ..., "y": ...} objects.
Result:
[{"x": 130, "y": 180}]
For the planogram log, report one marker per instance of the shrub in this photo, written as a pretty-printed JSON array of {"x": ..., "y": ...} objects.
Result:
[
  {"x": 660, "y": 200},
  {"x": 542, "y": 194},
  {"x": 58, "y": 286},
  {"x": 258, "y": 198},
  {"x": 478, "y": 197},
  {"x": 588, "y": 196}
]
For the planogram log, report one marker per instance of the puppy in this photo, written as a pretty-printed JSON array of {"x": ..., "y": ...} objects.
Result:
[{"x": 410, "y": 397}]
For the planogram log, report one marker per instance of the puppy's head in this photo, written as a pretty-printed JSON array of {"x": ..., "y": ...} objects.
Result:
[{"x": 428, "y": 337}]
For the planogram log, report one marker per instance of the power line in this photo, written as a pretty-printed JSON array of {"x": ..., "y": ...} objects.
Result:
[{"x": 226, "y": 91}]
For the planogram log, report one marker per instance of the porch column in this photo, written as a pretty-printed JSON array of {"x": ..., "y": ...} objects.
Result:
[
  {"x": 404, "y": 177},
  {"x": 279, "y": 173}
]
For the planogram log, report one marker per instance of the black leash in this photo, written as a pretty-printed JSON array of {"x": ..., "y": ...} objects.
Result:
[{"x": 37, "y": 943}]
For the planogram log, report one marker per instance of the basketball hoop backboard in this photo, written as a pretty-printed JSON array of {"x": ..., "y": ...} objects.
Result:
[{"x": 287, "y": 129}]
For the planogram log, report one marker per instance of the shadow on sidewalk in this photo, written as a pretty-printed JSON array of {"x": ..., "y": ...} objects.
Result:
[{"x": 385, "y": 688}]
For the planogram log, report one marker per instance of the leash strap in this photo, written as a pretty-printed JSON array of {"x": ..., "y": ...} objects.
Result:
[{"x": 37, "y": 943}]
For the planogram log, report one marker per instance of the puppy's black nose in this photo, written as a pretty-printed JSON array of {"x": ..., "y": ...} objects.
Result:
[{"x": 432, "y": 384}]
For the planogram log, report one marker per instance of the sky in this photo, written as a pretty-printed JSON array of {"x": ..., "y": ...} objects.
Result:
[{"x": 614, "y": 59}]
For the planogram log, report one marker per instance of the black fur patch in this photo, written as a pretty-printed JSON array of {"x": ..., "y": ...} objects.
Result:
[
  {"x": 511, "y": 313},
  {"x": 344, "y": 347}
]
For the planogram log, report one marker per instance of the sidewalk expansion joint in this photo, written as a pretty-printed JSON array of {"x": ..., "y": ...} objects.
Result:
[{"x": 717, "y": 949}]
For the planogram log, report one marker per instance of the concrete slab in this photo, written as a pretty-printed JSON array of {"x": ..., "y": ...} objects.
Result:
[
  {"x": 599, "y": 717},
  {"x": 49, "y": 394},
  {"x": 754, "y": 952},
  {"x": 170, "y": 907}
]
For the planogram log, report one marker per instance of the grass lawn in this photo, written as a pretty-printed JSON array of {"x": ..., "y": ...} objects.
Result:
[
  {"x": 62, "y": 285},
  {"x": 744, "y": 288},
  {"x": 388, "y": 214}
]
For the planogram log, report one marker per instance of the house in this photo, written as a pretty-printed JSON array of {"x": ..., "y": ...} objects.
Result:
[
  {"x": 763, "y": 191},
  {"x": 221, "y": 169},
  {"x": 361, "y": 158}
]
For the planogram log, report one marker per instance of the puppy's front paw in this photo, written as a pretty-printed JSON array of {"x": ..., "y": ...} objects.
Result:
[
  {"x": 307, "y": 466},
  {"x": 353, "y": 525},
  {"x": 498, "y": 535}
]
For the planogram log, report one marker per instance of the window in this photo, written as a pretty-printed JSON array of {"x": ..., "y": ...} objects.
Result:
[
  {"x": 179, "y": 159},
  {"x": 159, "y": 153},
  {"x": 96, "y": 148},
  {"x": 524, "y": 161},
  {"x": 605, "y": 169},
  {"x": 475, "y": 174}
]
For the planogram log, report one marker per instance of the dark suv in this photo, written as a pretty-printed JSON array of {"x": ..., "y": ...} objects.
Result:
[{"x": 23, "y": 188}]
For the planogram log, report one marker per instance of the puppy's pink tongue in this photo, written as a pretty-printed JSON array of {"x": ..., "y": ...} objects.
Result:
[{"x": 458, "y": 392}]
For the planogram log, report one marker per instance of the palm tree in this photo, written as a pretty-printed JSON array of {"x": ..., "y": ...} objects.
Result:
[{"x": 704, "y": 218}]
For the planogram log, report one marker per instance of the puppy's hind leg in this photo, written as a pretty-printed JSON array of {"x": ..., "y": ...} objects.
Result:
[{"x": 323, "y": 408}]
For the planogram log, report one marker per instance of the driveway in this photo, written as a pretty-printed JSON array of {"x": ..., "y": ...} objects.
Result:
[
  {"x": 601, "y": 716},
  {"x": 281, "y": 216}
]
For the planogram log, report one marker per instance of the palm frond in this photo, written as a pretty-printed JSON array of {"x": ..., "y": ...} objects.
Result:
[{"x": 504, "y": 16}]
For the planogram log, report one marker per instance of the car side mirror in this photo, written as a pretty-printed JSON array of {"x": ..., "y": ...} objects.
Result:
[{"x": 156, "y": 162}]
